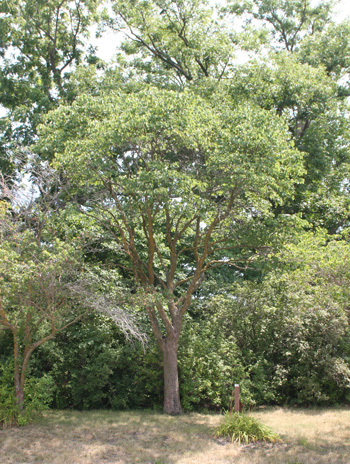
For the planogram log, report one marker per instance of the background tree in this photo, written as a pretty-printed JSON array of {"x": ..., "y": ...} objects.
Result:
[
  {"x": 307, "y": 86},
  {"x": 35, "y": 302},
  {"x": 172, "y": 42},
  {"x": 307, "y": 99},
  {"x": 288, "y": 20},
  {"x": 41, "y": 42}
]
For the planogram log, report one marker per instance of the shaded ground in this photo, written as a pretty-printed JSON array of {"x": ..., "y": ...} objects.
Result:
[{"x": 108, "y": 437}]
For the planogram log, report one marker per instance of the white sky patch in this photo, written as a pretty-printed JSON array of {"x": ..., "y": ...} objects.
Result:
[
  {"x": 342, "y": 10},
  {"x": 26, "y": 191},
  {"x": 107, "y": 44}
]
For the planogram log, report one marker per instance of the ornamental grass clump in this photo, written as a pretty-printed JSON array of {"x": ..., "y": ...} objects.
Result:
[{"x": 241, "y": 428}]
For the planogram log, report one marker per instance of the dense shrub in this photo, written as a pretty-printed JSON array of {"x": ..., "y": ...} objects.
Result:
[
  {"x": 93, "y": 366},
  {"x": 8, "y": 411},
  {"x": 210, "y": 364},
  {"x": 292, "y": 329}
]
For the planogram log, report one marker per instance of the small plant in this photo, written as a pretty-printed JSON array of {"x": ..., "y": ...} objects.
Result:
[{"x": 241, "y": 428}]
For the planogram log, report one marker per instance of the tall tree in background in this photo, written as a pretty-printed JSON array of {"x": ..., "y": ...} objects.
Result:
[
  {"x": 173, "y": 42},
  {"x": 307, "y": 84},
  {"x": 40, "y": 44},
  {"x": 288, "y": 20}
]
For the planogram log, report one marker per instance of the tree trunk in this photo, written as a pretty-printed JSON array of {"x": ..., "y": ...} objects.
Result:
[
  {"x": 172, "y": 404},
  {"x": 19, "y": 390},
  {"x": 20, "y": 374}
]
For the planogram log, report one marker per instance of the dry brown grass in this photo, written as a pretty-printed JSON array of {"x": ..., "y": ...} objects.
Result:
[{"x": 108, "y": 437}]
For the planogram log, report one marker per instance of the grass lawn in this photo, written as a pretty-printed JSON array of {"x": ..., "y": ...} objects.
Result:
[{"x": 108, "y": 437}]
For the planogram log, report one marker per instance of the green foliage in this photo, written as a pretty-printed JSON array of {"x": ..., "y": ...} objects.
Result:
[
  {"x": 211, "y": 152},
  {"x": 289, "y": 20},
  {"x": 39, "y": 393},
  {"x": 40, "y": 44},
  {"x": 241, "y": 428},
  {"x": 8, "y": 410},
  {"x": 38, "y": 396},
  {"x": 307, "y": 98},
  {"x": 293, "y": 328},
  {"x": 173, "y": 42},
  {"x": 35, "y": 276},
  {"x": 209, "y": 366},
  {"x": 330, "y": 49},
  {"x": 93, "y": 366},
  {"x": 83, "y": 359},
  {"x": 138, "y": 380}
]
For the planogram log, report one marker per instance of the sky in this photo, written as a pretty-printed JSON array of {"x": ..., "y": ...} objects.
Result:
[{"x": 344, "y": 8}]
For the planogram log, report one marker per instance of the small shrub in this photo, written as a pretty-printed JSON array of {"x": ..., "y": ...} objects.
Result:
[
  {"x": 241, "y": 428},
  {"x": 8, "y": 411},
  {"x": 37, "y": 396}
]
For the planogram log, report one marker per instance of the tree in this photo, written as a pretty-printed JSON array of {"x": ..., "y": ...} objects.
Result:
[
  {"x": 330, "y": 49},
  {"x": 307, "y": 98},
  {"x": 307, "y": 84},
  {"x": 182, "y": 184},
  {"x": 35, "y": 303},
  {"x": 176, "y": 41},
  {"x": 45, "y": 287},
  {"x": 40, "y": 44},
  {"x": 289, "y": 20}
]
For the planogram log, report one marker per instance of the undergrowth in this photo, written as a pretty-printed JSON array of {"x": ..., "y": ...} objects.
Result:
[
  {"x": 37, "y": 397},
  {"x": 241, "y": 428}
]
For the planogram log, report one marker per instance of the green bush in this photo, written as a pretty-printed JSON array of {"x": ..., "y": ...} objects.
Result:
[
  {"x": 209, "y": 366},
  {"x": 81, "y": 362},
  {"x": 8, "y": 410},
  {"x": 293, "y": 342},
  {"x": 137, "y": 381},
  {"x": 94, "y": 367},
  {"x": 241, "y": 428},
  {"x": 38, "y": 394}
]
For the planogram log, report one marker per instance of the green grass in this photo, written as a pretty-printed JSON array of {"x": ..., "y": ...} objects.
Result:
[{"x": 241, "y": 428}]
